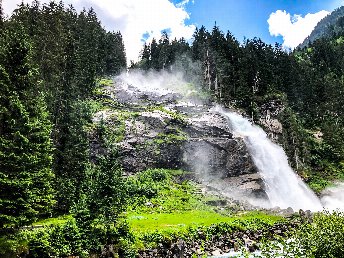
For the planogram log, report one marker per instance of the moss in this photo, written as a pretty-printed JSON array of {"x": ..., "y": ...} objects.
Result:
[
  {"x": 105, "y": 82},
  {"x": 176, "y": 117},
  {"x": 168, "y": 138}
]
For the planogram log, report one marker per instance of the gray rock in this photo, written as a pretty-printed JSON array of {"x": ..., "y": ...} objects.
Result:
[{"x": 204, "y": 144}]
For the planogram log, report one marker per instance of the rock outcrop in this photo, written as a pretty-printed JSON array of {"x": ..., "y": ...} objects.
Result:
[
  {"x": 161, "y": 132},
  {"x": 269, "y": 119}
]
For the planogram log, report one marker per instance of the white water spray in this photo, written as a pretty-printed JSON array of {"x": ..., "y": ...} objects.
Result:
[
  {"x": 283, "y": 187},
  {"x": 333, "y": 198}
]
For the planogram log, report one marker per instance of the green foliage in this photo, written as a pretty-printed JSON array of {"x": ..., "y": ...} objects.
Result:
[
  {"x": 156, "y": 191},
  {"x": 72, "y": 157},
  {"x": 71, "y": 50},
  {"x": 67, "y": 239},
  {"x": 50, "y": 60},
  {"x": 25, "y": 146},
  {"x": 162, "y": 210},
  {"x": 326, "y": 173},
  {"x": 103, "y": 194},
  {"x": 146, "y": 184},
  {"x": 319, "y": 239},
  {"x": 294, "y": 139}
]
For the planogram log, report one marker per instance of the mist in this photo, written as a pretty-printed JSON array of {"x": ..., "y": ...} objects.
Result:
[
  {"x": 333, "y": 197},
  {"x": 183, "y": 77}
]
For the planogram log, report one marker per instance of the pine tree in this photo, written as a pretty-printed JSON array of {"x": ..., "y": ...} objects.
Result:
[
  {"x": 25, "y": 145},
  {"x": 1, "y": 14},
  {"x": 114, "y": 57},
  {"x": 154, "y": 55}
]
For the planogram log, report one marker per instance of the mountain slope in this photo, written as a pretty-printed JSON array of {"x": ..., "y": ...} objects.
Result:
[{"x": 332, "y": 23}]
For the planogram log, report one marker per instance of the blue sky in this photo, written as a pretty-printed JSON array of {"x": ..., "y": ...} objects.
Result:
[
  {"x": 286, "y": 21},
  {"x": 248, "y": 18}
]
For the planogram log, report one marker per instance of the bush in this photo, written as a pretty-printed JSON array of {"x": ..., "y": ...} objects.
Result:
[
  {"x": 323, "y": 238},
  {"x": 147, "y": 183},
  {"x": 69, "y": 239}
]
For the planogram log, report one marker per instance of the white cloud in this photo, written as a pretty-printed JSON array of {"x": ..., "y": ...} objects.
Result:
[
  {"x": 134, "y": 18},
  {"x": 293, "y": 28},
  {"x": 184, "y": 2}
]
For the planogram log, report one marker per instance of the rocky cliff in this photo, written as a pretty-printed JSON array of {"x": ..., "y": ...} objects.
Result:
[{"x": 158, "y": 128}]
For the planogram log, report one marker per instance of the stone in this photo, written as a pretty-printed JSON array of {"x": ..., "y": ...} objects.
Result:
[
  {"x": 204, "y": 144},
  {"x": 217, "y": 252}
]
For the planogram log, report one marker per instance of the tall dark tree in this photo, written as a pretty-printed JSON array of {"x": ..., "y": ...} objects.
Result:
[
  {"x": 25, "y": 145},
  {"x": 1, "y": 14},
  {"x": 114, "y": 53},
  {"x": 71, "y": 51},
  {"x": 154, "y": 55}
]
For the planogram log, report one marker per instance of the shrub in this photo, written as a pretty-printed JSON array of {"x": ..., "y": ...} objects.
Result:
[{"x": 323, "y": 238}]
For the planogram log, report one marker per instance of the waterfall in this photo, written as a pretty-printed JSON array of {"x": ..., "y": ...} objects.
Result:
[{"x": 283, "y": 187}]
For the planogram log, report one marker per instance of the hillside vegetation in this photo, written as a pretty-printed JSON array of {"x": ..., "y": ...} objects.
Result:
[
  {"x": 328, "y": 27},
  {"x": 58, "y": 197}
]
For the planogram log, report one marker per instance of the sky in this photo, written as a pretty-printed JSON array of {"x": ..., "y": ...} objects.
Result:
[{"x": 287, "y": 22}]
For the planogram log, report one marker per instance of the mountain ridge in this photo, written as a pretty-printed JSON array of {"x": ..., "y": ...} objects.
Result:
[{"x": 329, "y": 25}]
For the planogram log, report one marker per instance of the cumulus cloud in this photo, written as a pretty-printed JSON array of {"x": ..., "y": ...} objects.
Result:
[
  {"x": 138, "y": 20},
  {"x": 293, "y": 28}
]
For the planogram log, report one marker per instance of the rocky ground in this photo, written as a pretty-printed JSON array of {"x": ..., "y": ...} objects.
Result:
[{"x": 217, "y": 245}]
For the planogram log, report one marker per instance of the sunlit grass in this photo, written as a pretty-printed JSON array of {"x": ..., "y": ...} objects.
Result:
[
  {"x": 143, "y": 222},
  {"x": 53, "y": 221}
]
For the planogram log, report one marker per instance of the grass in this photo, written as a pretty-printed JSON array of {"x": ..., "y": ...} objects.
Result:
[
  {"x": 53, "y": 221},
  {"x": 145, "y": 222},
  {"x": 162, "y": 210}
]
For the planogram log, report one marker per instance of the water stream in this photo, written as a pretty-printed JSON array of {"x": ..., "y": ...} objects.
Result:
[{"x": 283, "y": 187}]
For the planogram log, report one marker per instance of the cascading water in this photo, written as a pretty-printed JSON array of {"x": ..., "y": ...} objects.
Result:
[{"x": 283, "y": 187}]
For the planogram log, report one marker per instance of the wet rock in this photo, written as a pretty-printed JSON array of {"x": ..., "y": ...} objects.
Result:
[{"x": 217, "y": 202}]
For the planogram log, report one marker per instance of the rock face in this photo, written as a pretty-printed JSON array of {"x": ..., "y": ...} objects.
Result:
[
  {"x": 269, "y": 121},
  {"x": 212, "y": 150},
  {"x": 160, "y": 132}
]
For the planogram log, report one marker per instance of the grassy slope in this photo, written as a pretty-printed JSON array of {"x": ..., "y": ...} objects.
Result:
[
  {"x": 178, "y": 210},
  {"x": 182, "y": 220}
]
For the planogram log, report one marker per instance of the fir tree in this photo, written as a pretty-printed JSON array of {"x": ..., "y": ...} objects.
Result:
[{"x": 25, "y": 145}]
